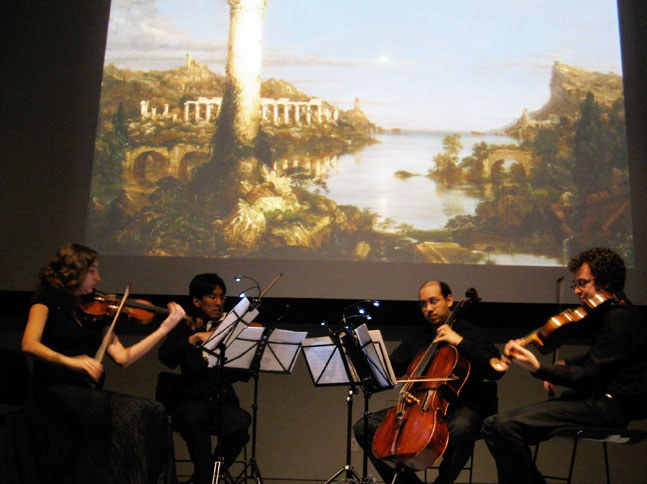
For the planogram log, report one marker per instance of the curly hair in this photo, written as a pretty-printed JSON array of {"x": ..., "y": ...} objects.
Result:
[
  {"x": 67, "y": 269},
  {"x": 607, "y": 267}
]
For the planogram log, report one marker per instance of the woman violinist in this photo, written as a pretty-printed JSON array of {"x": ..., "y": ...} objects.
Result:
[
  {"x": 606, "y": 385},
  {"x": 84, "y": 434},
  {"x": 466, "y": 412}
]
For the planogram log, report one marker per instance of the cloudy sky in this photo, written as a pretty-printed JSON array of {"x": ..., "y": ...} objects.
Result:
[{"x": 414, "y": 64}]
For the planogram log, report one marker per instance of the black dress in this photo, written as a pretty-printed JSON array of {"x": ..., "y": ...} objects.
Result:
[{"x": 71, "y": 433}]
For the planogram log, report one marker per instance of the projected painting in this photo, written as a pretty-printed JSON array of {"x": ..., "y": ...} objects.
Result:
[{"x": 443, "y": 132}]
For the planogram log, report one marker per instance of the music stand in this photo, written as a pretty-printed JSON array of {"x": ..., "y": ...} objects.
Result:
[
  {"x": 262, "y": 349},
  {"x": 352, "y": 358},
  {"x": 215, "y": 348}
]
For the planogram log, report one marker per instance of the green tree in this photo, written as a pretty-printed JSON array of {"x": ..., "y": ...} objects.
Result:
[
  {"x": 546, "y": 145},
  {"x": 480, "y": 150},
  {"x": 473, "y": 166},
  {"x": 591, "y": 149},
  {"x": 452, "y": 145},
  {"x": 617, "y": 129},
  {"x": 445, "y": 164},
  {"x": 447, "y": 161}
]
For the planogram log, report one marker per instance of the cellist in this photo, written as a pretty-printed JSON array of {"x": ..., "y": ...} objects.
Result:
[
  {"x": 467, "y": 412},
  {"x": 607, "y": 385}
]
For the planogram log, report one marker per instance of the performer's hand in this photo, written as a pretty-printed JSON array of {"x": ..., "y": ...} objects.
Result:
[
  {"x": 445, "y": 333},
  {"x": 521, "y": 356},
  {"x": 176, "y": 315},
  {"x": 86, "y": 364},
  {"x": 199, "y": 338},
  {"x": 548, "y": 386}
]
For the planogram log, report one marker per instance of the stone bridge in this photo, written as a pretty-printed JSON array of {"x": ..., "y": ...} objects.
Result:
[
  {"x": 500, "y": 155},
  {"x": 176, "y": 161}
]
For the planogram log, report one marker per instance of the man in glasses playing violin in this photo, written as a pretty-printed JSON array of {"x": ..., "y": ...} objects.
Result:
[
  {"x": 197, "y": 411},
  {"x": 606, "y": 384},
  {"x": 465, "y": 413}
]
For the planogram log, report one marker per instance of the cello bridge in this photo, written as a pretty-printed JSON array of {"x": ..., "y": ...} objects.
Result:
[{"x": 410, "y": 398}]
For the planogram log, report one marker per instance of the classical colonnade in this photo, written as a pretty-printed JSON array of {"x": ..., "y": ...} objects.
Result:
[{"x": 277, "y": 111}]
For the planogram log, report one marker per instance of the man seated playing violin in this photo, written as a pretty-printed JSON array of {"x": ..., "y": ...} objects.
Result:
[
  {"x": 606, "y": 384},
  {"x": 200, "y": 389},
  {"x": 466, "y": 412}
]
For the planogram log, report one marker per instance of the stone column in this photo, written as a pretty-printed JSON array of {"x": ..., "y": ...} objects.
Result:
[
  {"x": 243, "y": 71},
  {"x": 186, "y": 110},
  {"x": 143, "y": 109}
]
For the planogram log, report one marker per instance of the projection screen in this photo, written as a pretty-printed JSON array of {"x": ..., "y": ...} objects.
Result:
[{"x": 359, "y": 148}]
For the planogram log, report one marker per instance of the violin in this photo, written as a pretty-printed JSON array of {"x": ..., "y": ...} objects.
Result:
[
  {"x": 415, "y": 432},
  {"x": 540, "y": 336},
  {"x": 140, "y": 310}
]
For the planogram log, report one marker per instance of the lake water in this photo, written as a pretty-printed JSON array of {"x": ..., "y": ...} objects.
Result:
[{"x": 366, "y": 179}]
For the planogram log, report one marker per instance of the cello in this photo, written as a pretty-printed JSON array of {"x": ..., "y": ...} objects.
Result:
[{"x": 414, "y": 433}]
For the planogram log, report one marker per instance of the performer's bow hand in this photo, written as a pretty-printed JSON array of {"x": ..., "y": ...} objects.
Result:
[
  {"x": 521, "y": 356},
  {"x": 176, "y": 314},
  {"x": 87, "y": 364}
]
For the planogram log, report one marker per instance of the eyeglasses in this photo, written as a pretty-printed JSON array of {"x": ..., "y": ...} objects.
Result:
[
  {"x": 433, "y": 301},
  {"x": 581, "y": 283},
  {"x": 215, "y": 297}
]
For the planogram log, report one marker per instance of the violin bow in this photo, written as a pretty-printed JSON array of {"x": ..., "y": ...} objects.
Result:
[
  {"x": 270, "y": 285},
  {"x": 101, "y": 352}
]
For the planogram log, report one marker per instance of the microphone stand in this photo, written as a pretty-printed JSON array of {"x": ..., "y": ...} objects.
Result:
[
  {"x": 558, "y": 299},
  {"x": 220, "y": 350},
  {"x": 255, "y": 472}
]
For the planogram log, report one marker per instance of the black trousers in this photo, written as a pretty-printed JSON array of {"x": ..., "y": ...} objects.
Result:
[
  {"x": 509, "y": 434},
  {"x": 464, "y": 424},
  {"x": 197, "y": 421}
]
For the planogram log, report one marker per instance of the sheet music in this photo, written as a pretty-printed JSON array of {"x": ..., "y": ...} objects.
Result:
[
  {"x": 325, "y": 361},
  {"x": 240, "y": 314},
  {"x": 374, "y": 348},
  {"x": 279, "y": 355}
]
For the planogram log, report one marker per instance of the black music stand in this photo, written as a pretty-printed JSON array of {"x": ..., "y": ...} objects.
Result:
[
  {"x": 262, "y": 349},
  {"x": 349, "y": 358},
  {"x": 216, "y": 347}
]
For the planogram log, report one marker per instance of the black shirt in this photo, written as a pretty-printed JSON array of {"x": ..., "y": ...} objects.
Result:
[
  {"x": 69, "y": 332},
  {"x": 616, "y": 362},
  {"x": 475, "y": 348},
  {"x": 198, "y": 380}
]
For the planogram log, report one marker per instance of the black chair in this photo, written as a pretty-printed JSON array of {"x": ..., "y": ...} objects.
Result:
[
  {"x": 166, "y": 392},
  {"x": 604, "y": 435},
  {"x": 490, "y": 405},
  {"x": 14, "y": 380}
]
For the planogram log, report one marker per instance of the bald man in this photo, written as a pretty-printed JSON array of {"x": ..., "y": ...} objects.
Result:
[{"x": 466, "y": 413}]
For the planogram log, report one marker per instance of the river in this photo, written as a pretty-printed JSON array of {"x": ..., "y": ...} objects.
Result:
[{"x": 366, "y": 179}]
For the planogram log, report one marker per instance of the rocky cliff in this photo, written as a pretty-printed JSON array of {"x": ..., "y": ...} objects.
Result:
[{"x": 568, "y": 88}]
